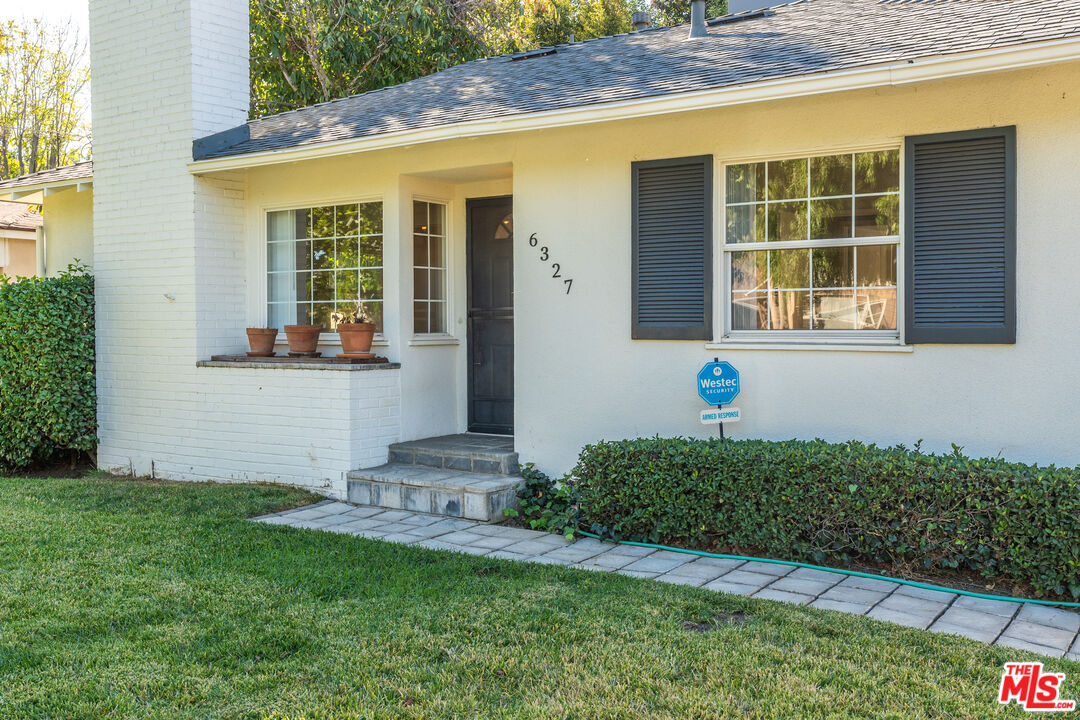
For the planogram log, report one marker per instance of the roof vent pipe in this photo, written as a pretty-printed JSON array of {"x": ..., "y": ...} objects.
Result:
[
  {"x": 697, "y": 19},
  {"x": 640, "y": 21}
]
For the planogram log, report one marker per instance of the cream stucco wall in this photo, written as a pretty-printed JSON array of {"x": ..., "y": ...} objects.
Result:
[
  {"x": 579, "y": 376},
  {"x": 69, "y": 229}
]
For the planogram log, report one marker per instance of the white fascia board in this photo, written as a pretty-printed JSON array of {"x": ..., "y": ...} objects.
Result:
[
  {"x": 890, "y": 74},
  {"x": 34, "y": 194}
]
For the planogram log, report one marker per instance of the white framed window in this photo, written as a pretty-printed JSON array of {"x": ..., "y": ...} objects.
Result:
[
  {"x": 810, "y": 245},
  {"x": 429, "y": 268},
  {"x": 323, "y": 260}
]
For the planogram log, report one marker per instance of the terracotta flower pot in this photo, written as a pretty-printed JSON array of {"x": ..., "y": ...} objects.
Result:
[
  {"x": 303, "y": 338},
  {"x": 261, "y": 340},
  {"x": 356, "y": 337}
]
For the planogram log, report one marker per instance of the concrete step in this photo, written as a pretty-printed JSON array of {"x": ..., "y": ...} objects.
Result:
[
  {"x": 492, "y": 454},
  {"x": 417, "y": 488}
]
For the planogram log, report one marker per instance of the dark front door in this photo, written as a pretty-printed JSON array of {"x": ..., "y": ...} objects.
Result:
[{"x": 491, "y": 315}]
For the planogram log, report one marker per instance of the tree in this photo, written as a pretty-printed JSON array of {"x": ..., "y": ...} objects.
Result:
[
  {"x": 676, "y": 12},
  {"x": 43, "y": 73}
]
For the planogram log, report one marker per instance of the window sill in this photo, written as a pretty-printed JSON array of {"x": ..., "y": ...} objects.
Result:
[
  {"x": 891, "y": 347},
  {"x": 288, "y": 363},
  {"x": 433, "y": 340}
]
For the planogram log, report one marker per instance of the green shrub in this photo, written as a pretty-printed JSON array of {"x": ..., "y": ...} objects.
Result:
[
  {"x": 818, "y": 501},
  {"x": 48, "y": 402},
  {"x": 543, "y": 504}
]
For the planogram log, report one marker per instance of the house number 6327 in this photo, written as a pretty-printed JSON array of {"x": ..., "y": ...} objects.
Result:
[{"x": 544, "y": 256}]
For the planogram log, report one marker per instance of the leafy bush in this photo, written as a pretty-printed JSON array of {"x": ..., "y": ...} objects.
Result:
[
  {"x": 48, "y": 402},
  {"x": 817, "y": 501},
  {"x": 544, "y": 505}
]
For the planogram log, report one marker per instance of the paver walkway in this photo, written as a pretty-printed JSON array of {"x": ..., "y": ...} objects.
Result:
[{"x": 1045, "y": 630}]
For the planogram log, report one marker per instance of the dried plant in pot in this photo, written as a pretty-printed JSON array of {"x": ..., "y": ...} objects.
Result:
[
  {"x": 261, "y": 341},
  {"x": 356, "y": 332},
  {"x": 303, "y": 340}
]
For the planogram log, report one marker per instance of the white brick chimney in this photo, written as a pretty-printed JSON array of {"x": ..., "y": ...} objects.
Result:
[{"x": 168, "y": 247}]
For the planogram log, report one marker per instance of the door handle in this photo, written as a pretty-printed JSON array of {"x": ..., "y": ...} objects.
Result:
[{"x": 478, "y": 357}]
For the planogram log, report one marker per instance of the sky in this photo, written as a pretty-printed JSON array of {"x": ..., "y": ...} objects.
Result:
[{"x": 52, "y": 10}]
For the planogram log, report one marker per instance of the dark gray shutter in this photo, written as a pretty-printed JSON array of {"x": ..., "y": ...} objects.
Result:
[
  {"x": 960, "y": 249},
  {"x": 672, "y": 249}
]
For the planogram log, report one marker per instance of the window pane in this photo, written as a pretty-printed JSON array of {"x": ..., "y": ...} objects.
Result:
[
  {"x": 303, "y": 286},
  {"x": 830, "y": 175},
  {"x": 834, "y": 310},
  {"x": 749, "y": 271},
  {"x": 436, "y": 259},
  {"x": 347, "y": 222},
  {"x": 420, "y": 250},
  {"x": 746, "y": 183},
  {"x": 420, "y": 283},
  {"x": 303, "y": 255},
  {"x": 347, "y": 283},
  {"x": 371, "y": 284},
  {"x": 787, "y": 179},
  {"x": 789, "y": 310},
  {"x": 281, "y": 256},
  {"x": 749, "y": 311},
  {"x": 371, "y": 220},
  {"x": 373, "y": 311},
  {"x": 302, "y": 224},
  {"x": 371, "y": 251},
  {"x": 834, "y": 267},
  {"x": 280, "y": 315},
  {"x": 437, "y": 218},
  {"x": 303, "y": 313},
  {"x": 877, "y": 172},
  {"x": 420, "y": 216},
  {"x": 321, "y": 315},
  {"x": 438, "y": 317},
  {"x": 348, "y": 253},
  {"x": 322, "y": 254},
  {"x": 322, "y": 222},
  {"x": 438, "y": 284},
  {"x": 830, "y": 219},
  {"x": 322, "y": 286},
  {"x": 420, "y": 317},
  {"x": 787, "y": 221},
  {"x": 876, "y": 308},
  {"x": 789, "y": 269},
  {"x": 877, "y": 216},
  {"x": 746, "y": 223},
  {"x": 280, "y": 287},
  {"x": 279, "y": 226},
  {"x": 877, "y": 265}
]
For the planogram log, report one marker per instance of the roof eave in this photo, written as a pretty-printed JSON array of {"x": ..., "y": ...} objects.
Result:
[
  {"x": 903, "y": 72},
  {"x": 35, "y": 193}
]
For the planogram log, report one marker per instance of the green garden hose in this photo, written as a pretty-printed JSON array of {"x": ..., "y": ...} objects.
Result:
[{"x": 852, "y": 573}]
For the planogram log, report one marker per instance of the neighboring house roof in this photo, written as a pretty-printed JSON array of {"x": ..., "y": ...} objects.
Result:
[
  {"x": 17, "y": 216},
  {"x": 798, "y": 39},
  {"x": 67, "y": 174}
]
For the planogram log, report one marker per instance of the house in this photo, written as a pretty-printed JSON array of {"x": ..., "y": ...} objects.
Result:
[
  {"x": 866, "y": 206},
  {"x": 65, "y": 219},
  {"x": 19, "y": 224}
]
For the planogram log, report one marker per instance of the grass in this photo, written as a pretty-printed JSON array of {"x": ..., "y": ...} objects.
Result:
[{"x": 153, "y": 600}]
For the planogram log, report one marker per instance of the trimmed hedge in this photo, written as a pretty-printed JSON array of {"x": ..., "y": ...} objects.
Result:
[
  {"x": 48, "y": 402},
  {"x": 818, "y": 501}
]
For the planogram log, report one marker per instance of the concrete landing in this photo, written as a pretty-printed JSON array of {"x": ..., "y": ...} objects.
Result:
[{"x": 418, "y": 488}]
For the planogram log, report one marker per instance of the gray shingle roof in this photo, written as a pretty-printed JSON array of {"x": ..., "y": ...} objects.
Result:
[
  {"x": 800, "y": 38},
  {"x": 78, "y": 171},
  {"x": 17, "y": 216}
]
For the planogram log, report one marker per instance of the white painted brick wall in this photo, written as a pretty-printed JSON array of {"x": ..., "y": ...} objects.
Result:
[{"x": 170, "y": 263}]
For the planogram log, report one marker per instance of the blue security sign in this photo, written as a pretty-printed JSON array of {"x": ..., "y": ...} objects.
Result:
[{"x": 718, "y": 383}]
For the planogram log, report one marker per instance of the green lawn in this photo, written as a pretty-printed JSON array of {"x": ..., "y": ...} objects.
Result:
[{"x": 136, "y": 599}]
